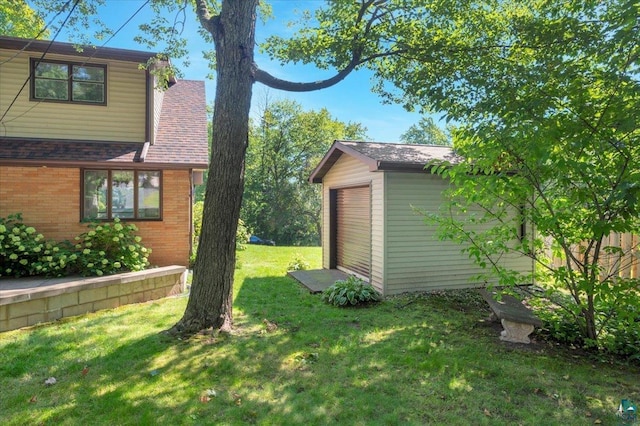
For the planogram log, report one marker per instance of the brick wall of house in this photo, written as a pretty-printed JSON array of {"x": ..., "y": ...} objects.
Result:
[{"x": 49, "y": 197}]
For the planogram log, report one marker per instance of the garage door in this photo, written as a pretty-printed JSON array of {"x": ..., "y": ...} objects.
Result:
[{"x": 353, "y": 230}]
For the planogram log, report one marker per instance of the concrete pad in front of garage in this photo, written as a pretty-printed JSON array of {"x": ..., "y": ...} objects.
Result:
[{"x": 318, "y": 279}]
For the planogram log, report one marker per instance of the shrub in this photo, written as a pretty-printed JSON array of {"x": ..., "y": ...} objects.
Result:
[
  {"x": 242, "y": 236},
  {"x": 298, "y": 263},
  {"x": 25, "y": 252},
  {"x": 352, "y": 291},
  {"x": 242, "y": 233},
  {"x": 111, "y": 248},
  {"x": 617, "y": 319},
  {"x": 104, "y": 249}
]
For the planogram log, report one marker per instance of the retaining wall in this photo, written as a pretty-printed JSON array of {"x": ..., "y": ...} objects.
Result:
[{"x": 50, "y": 300}]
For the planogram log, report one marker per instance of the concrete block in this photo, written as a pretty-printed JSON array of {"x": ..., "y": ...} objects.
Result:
[
  {"x": 24, "y": 309},
  {"x": 92, "y": 295},
  {"x": 175, "y": 289},
  {"x": 148, "y": 284},
  {"x": 4, "y": 325},
  {"x": 137, "y": 297},
  {"x": 113, "y": 291},
  {"x": 106, "y": 304},
  {"x": 36, "y": 318},
  {"x": 159, "y": 293},
  {"x": 15, "y": 323},
  {"x": 4, "y": 313},
  {"x": 73, "y": 311},
  {"x": 54, "y": 315},
  {"x": 137, "y": 287},
  {"x": 56, "y": 303}
]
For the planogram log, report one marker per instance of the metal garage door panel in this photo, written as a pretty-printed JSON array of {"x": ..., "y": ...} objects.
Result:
[{"x": 353, "y": 230}]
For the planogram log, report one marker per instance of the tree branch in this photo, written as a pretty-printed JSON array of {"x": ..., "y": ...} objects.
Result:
[
  {"x": 356, "y": 59},
  {"x": 208, "y": 21},
  {"x": 290, "y": 86}
]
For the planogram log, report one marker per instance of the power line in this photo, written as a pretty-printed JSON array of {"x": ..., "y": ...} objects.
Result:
[
  {"x": 41, "y": 57},
  {"x": 83, "y": 63},
  {"x": 39, "y": 34}
]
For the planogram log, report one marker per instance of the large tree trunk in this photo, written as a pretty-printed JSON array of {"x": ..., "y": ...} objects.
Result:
[{"x": 211, "y": 296}]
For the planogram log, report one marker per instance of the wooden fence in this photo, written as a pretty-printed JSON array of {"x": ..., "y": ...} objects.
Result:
[{"x": 622, "y": 264}]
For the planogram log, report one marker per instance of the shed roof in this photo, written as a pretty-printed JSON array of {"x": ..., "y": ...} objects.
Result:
[
  {"x": 381, "y": 156},
  {"x": 181, "y": 141}
]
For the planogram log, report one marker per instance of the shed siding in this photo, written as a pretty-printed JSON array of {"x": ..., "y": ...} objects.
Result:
[
  {"x": 122, "y": 119},
  {"x": 415, "y": 259},
  {"x": 346, "y": 172}
]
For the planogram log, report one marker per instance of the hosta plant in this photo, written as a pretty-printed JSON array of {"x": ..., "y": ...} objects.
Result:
[{"x": 350, "y": 292}]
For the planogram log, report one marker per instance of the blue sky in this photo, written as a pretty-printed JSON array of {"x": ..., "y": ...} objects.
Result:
[{"x": 350, "y": 100}]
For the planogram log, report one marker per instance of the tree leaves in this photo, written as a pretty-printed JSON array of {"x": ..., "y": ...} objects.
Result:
[{"x": 287, "y": 143}]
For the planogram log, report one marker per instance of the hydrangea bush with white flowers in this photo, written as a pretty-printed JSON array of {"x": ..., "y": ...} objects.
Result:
[{"x": 107, "y": 248}]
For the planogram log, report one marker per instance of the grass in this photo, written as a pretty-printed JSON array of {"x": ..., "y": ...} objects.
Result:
[{"x": 414, "y": 359}]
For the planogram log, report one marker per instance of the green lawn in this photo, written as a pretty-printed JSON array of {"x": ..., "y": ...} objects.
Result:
[{"x": 294, "y": 360}]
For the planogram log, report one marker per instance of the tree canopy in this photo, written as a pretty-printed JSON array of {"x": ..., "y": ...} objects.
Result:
[
  {"x": 426, "y": 132},
  {"x": 19, "y": 20},
  {"x": 549, "y": 97},
  {"x": 550, "y": 102},
  {"x": 286, "y": 143}
]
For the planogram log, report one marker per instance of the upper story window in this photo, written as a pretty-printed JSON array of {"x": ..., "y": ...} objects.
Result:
[{"x": 68, "y": 82}]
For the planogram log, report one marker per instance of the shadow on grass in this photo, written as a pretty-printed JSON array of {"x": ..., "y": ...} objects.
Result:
[{"x": 294, "y": 360}]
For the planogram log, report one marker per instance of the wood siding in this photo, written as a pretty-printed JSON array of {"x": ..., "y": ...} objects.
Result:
[
  {"x": 49, "y": 198},
  {"x": 349, "y": 172},
  {"x": 122, "y": 119},
  {"x": 415, "y": 259}
]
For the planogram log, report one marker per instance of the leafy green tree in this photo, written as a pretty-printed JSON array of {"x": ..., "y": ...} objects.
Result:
[
  {"x": 426, "y": 132},
  {"x": 285, "y": 145},
  {"x": 19, "y": 20},
  {"x": 230, "y": 26},
  {"x": 549, "y": 90},
  {"x": 550, "y": 95},
  {"x": 551, "y": 102}
]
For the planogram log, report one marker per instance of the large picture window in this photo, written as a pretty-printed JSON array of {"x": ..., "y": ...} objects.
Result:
[
  {"x": 125, "y": 194},
  {"x": 68, "y": 82}
]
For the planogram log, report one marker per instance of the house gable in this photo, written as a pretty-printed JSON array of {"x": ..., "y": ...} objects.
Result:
[{"x": 138, "y": 125}]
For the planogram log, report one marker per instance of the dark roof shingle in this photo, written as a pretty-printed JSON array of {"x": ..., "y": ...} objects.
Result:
[
  {"x": 182, "y": 136},
  {"x": 385, "y": 156},
  {"x": 181, "y": 140}
]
